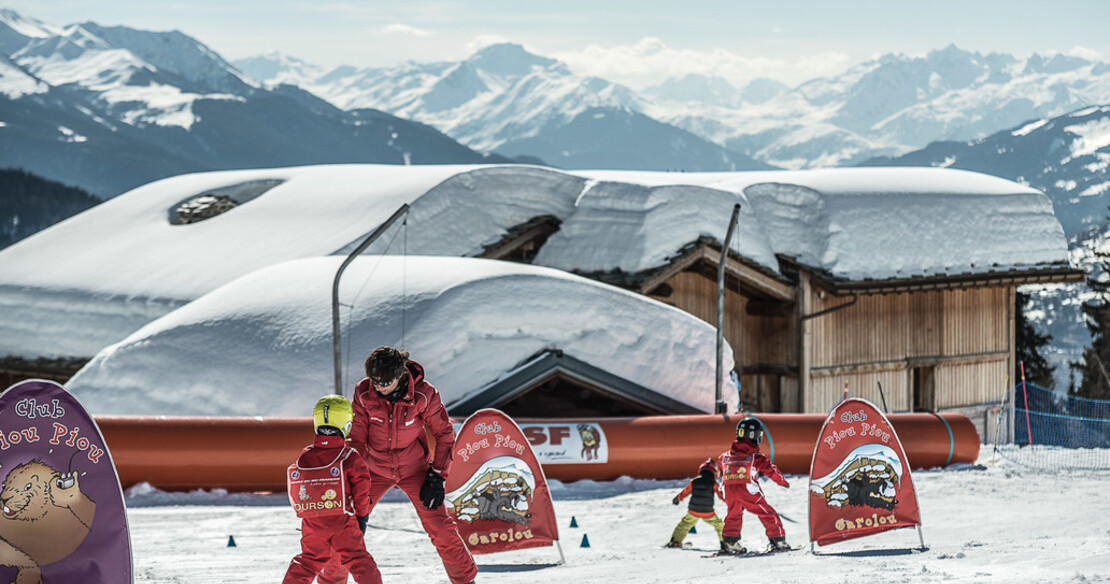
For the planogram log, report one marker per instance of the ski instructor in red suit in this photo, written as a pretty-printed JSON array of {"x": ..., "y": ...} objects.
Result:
[{"x": 392, "y": 406}]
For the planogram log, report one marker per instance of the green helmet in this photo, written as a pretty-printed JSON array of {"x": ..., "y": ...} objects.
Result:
[{"x": 333, "y": 411}]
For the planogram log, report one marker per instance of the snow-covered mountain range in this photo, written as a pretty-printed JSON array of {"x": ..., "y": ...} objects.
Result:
[
  {"x": 506, "y": 99},
  {"x": 107, "y": 108},
  {"x": 110, "y": 108}
]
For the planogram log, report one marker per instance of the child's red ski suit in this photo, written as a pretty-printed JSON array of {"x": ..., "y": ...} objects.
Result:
[
  {"x": 742, "y": 465},
  {"x": 338, "y": 535}
]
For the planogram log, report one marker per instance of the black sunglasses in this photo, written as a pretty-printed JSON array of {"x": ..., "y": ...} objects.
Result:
[{"x": 382, "y": 383}]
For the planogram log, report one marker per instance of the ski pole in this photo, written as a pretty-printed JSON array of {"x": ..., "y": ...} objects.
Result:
[{"x": 1028, "y": 424}]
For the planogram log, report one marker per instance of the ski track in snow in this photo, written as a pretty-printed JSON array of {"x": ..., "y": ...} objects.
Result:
[{"x": 1001, "y": 524}]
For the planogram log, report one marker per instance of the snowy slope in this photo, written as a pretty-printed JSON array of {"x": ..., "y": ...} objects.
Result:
[
  {"x": 980, "y": 525},
  {"x": 132, "y": 73},
  {"x": 468, "y": 321}
]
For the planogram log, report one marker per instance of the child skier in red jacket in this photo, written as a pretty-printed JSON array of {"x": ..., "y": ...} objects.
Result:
[
  {"x": 329, "y": 489},
  {"x": 742, "y": 465},
  {"x": 701, "y": 490}
]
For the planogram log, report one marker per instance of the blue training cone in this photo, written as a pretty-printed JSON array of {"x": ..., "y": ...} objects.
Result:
[
  {"x": 693, "y": 529},
  {"x": 231, "y": 541},
  {"x": 585, "y": 541},
  {"x": 573, "y": 523}
]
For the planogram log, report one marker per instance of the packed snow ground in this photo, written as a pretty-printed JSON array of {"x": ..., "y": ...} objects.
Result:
[{"x": 993, "y": 522}]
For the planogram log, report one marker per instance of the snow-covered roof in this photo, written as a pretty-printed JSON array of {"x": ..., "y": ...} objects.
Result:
[
  {"x": 262, "y": 344},
  {"x": 96, "y": 277},
  {"x": 893, "y": 223}
]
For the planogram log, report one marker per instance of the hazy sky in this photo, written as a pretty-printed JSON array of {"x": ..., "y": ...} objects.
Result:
[{"x": 638, "y": 43}]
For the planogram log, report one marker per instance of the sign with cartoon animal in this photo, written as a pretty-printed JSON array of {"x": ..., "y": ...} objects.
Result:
[
  {"x": 62, "y": 515},
  {"x": 567, "y": 443},
  {"x": 497, "y": 491},
  {"x": 859, "y": 481}
]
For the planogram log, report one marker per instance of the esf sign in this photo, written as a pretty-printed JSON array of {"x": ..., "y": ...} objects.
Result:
[
  {"x": 567, "y": 443},
  {"x": 563, "y": 443}
]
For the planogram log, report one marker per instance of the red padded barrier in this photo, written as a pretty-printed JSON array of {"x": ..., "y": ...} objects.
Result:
[{"x": 250, "y": 454}]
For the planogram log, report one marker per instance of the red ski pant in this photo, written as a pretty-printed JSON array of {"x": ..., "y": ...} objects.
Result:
[
  {"x": 439, "y": 526},
  {"x": 323, "y": 538},
  {"x": 740, "y": 497}
]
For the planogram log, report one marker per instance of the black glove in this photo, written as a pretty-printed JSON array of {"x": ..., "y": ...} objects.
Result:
[
  {"x": 431, "y": 493},
  {"x": 675, "y": 501},
  {"x": 362, "y": 521}
]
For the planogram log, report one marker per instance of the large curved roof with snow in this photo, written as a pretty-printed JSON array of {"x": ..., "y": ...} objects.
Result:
[
  {"x": 262, "y": 344},
  {"x": 866, "y": 223}
]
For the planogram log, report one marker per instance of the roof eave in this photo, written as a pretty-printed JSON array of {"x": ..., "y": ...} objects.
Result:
[
  {"x": 1048, "y": 275},
  {"x": 550, "y": 362}
]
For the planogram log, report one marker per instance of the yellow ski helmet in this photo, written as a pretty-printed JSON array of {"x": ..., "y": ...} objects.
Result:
[{"x": 333, "y": 411}]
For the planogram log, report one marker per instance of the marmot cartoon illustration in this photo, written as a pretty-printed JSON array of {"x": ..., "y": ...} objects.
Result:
[
  {"x": 44, "y": 518},
  {"x": 591, "y": 441}
]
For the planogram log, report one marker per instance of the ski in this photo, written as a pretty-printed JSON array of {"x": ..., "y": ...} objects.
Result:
[
  {"x": 688, "y": 547},
  {"x": 751, "y": 554}
]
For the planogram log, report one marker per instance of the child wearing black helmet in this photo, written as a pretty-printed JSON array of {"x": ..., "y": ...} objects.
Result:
[
  {"x": 742, "y": 464},
  {"x": 329, "y": 489},
  {"x": 701, "y": 490}
]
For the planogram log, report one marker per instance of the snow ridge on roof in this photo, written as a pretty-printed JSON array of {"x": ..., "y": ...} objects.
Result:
[
  {"x": 633, "y": 228},
  {"x": 262, "y": 345}
]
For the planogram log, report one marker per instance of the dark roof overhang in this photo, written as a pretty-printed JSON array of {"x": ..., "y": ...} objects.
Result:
[
  {"x": 554, "y": 362},
  {"x": 1012, "y": 277}
]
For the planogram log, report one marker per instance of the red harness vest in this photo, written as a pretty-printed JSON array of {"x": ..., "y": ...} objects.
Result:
[
  {"x": 320, "y": 491},
  {"x": 738, "y": 469}
]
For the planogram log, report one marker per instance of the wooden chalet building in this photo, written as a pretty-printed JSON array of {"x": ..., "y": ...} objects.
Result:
[
  {"x": 936, "y": 343},
  {"x": 801, "y": 335}
]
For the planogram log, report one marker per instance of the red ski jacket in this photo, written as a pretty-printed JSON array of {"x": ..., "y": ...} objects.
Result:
[
  {"x": 743, "y": 463},
  {"x": 324, "y": 449},
  {"x": 391, "y": 437}
]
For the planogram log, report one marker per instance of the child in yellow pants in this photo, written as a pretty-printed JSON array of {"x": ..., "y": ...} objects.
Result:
[{"x": 701, "y": 490}]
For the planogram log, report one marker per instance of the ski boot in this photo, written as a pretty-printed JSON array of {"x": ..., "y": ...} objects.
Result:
[
  {"x": 673, "y": 544},
  {"x": 778, "y": 544},
  {"x": 731, "y": 545}
]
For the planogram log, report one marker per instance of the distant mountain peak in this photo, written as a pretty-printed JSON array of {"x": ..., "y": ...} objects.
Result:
[
  {"x": 949, "y": 50},
  {"x": 1054, "y": 63},
  {"x": 25, "y": 25},
  {"x": 695, "y": 87},
  {"x": 508, "y": 59}
]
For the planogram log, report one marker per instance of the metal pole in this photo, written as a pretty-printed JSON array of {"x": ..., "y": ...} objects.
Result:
[
  {"x": 719, "y": 404},
  {"x": 335, "y": 290}
]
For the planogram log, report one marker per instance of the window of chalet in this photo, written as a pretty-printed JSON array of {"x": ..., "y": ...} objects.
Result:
[{"x": 215, "y": 202}]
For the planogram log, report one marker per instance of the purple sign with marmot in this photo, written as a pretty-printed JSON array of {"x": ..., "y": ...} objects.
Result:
[{"x": 62, "y": 517}]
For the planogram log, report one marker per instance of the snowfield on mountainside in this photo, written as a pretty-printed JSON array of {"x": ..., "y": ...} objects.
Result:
[{"x": 992, "y": 522}]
